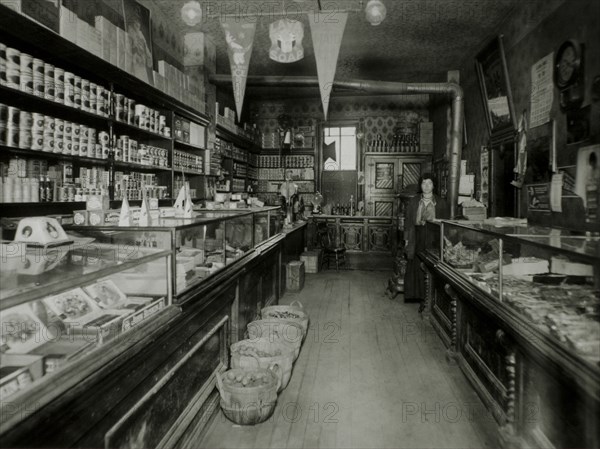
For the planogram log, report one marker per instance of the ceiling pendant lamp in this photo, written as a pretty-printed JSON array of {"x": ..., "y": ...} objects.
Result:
[
  {"x": 191, "y": 13},
  {"x": 375, "y": 12},
  {"x": 286, "y": 41}
]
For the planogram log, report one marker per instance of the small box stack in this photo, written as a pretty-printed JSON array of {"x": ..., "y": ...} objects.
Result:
[
  {"x": 312, "y": 260},
  {"x": 426, "y": 137},
  {"x": 295, "y": 275}
]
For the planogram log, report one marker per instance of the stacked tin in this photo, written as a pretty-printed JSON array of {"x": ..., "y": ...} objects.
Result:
[
  {"x": 127, "y": 111},
  {"x": 31, "y": 75},
  {"x": 39, "y": 132}
]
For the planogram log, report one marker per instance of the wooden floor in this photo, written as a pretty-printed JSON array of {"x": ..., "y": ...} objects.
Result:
[{"x": 371, "y": 374}]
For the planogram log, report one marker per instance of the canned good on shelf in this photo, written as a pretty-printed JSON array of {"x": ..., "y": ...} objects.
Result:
[
  {"x": 69, "y": 89},
  {"x": 85, "y": 95},
  {"x": 59, "y": 85},
  {"x": 13, "y": 68},
  {"x": 49, "y": 90},
  {"x": 77, "y": 92},
  {"x": 2, "y": 65},
  {"x": 26, "y": 73},
  {"x": 93, "y": 97}
]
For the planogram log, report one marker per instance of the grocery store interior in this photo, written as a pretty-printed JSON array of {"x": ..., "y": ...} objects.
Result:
[{"x": 299, "y": 223}]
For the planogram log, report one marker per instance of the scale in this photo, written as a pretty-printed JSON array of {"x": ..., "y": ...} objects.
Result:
[{"x": 41, "y": 231}]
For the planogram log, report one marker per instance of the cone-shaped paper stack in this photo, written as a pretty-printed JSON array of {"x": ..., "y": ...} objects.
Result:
[
  {"x": 145, "y": 218},
  {"x": 180, "y": 202},
  {"x": 327, "y": 38},
  {"x": 125, "y": 218},
  {"x": 188, "y": 208},
  {"x": 239, "y": 38}
]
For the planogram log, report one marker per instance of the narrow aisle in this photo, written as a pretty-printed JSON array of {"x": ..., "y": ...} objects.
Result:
[{"x": 371, "y": 373}]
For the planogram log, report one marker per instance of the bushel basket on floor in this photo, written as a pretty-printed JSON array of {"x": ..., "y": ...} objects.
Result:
[
  {"x": 293, "y": 312},
  {"x": 277, "y": 330},
  {"x": 248, "y": 396},
  {"x": 264, "y": 353}
]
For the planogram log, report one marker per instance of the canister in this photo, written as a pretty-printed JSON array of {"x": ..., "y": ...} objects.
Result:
[
  {"x": 59, "y": 135},
  {"x": 100, "y": 152},
  {"x": 48, "y": 134},
  {"x": 69, "y": 89},
  {"x": 119, "y": 105},
  {"x": 49, "y": 90},
  {"x": 93, "y": 97},
  {"x": 76, "y": 138},
  {"x": 140, "y": 115},
  {"x": 25, "y": 128},
  {"x": 3, "y": 134},
  {"x": 2, "y": 65},
  {"x": 105, "y": 111},
  {"x": 59, "y": 85},
  {"x": 100, "y": 101},
  {"x": 68, "y": 139},
  {"x": 3, "y": 114},
  {"x": 85, "y": 94},
  {"x": 130, "y": 110},
  {"x": 13, "y": 67},
  {"x": 77, "y": 92},
  {"x": 38, "y": 78},
  {"x": 26, "y": 73}
]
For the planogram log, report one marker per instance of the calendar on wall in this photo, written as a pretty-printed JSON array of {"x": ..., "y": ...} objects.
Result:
[{"x": 542, "y": 91}]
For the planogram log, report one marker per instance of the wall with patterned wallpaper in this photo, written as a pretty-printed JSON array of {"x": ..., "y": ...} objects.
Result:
[
  {"x": 376, "y": 115},
  {"x": 529, "y": 35}
]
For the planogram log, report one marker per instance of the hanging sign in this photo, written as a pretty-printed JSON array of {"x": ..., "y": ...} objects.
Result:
[
  {"x": 239, "y": 38},
  {"x": 286, "y": 41},
  {"x": 327, "y": 38}
]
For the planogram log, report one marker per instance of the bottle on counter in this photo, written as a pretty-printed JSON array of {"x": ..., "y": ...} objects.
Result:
[
  {"x": 49, "y": 190},
  {"x": 42, "y": 190},
  {"x": 352, "y": 207}
]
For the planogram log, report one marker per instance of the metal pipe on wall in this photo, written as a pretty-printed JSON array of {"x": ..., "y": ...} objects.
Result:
[{"x": 454, "y": 91}]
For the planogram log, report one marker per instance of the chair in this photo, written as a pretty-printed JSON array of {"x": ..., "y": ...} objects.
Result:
[{"x": 331, "y": 251}]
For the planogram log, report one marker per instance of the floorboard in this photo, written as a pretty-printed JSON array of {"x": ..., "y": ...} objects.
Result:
[{"x": 371, "y": 373}]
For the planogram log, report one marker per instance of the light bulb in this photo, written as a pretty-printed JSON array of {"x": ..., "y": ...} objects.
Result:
[
  {"x": 375, "y": 12},
  {"x": 191, "y": 13}
]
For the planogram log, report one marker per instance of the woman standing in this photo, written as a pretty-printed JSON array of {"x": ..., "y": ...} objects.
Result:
[{"x": 423, "y": 207}]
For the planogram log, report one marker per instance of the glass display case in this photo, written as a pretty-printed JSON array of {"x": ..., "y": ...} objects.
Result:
[
  {"x": 200, "y": 246},
  {"x": 62, "y": 305},
  {"x": 548, "y": 276}
]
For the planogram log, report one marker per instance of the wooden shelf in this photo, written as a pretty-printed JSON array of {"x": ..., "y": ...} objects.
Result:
[
  {"x": 188, "y": 171},
  {"x": 370, "y": 153},
  {"x": 70, "y": 56},
  {"x": 139, "y": 131},
  {"x": 134, "y": 166},
  {"x": 32, "y": 103},
  {"x": 53, "y": 156},
  {"x": 187, "y": 146},
  {"x": 232, "y": 137}
]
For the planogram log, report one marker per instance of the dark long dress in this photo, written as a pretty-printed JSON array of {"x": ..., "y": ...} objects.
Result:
[{"x": 414, "y": 279}]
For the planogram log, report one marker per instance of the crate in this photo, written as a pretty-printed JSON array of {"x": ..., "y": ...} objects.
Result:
[
  {"x": 295, "y": 275},
  {"x": 312, "y": 260}
]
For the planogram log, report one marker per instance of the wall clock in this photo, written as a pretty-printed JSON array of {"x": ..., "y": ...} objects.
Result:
[{"x": 568, "y": 74}]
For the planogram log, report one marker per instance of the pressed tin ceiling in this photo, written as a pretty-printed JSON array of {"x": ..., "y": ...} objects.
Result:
[{"x": 419, "y": 41}]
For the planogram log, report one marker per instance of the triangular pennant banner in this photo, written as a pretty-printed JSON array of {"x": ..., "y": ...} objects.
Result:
[
  {"x": 327, "y": 39},
  {"x": 329, "y": 151},
  {"x": 145, "y": 218},
  {"x": 180, "y": 202},
  {"x": 239, "y": 38}
]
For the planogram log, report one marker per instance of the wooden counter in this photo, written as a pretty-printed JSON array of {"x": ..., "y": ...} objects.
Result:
[
  {"x": 370, "y": 241},
  {"x": 157, "y": 387},
  {"x": 540, "y": 393}
]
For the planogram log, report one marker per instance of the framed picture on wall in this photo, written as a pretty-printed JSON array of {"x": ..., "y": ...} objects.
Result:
[{"x": 495, "y": 88}]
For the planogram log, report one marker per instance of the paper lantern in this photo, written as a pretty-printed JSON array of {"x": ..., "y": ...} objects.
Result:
[
  {"x": 286, "y": 41},
  {"x": 191, "y": 13},
  {"x": 375, "y": 12}
]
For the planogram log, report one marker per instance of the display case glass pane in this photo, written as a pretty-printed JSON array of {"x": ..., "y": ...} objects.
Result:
[
  {"x": 474, "y": 255},
  {"x": 45, "y": 334},
  {"x": 261, "y": 227},
  {"x": 432, "y": 235}
]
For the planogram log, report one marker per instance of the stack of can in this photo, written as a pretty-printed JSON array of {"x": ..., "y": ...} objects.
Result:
[
  {"x": 130, "y": 150},
  {"x": 28, "y": 74},
  {"x": 3, "y": 80},
  {"x": 35, "y": 131},
  {"x": 127, "y": 111}
]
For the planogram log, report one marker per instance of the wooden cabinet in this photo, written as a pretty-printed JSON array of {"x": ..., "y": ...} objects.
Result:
[{"x": 386, "y": 175}]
